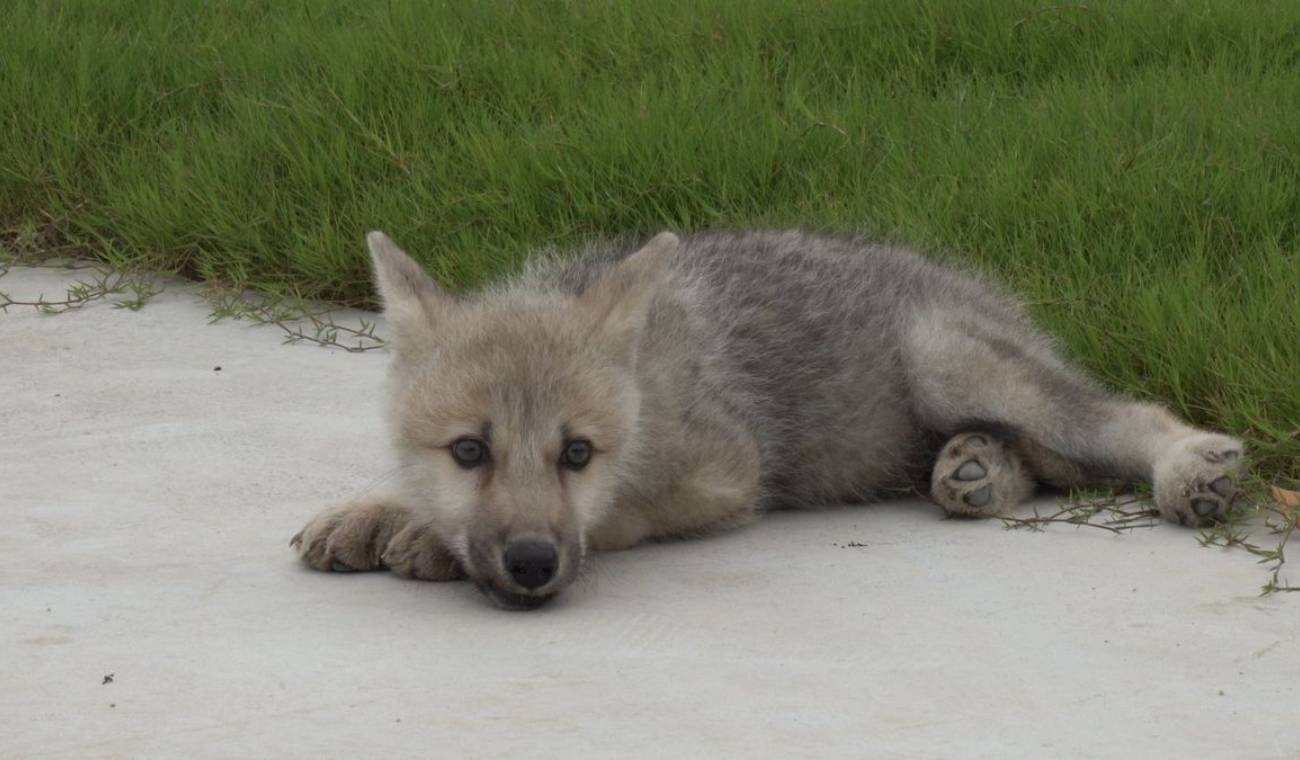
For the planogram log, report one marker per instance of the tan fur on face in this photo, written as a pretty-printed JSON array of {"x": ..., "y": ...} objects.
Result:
[{"x": 526, "y": 375}]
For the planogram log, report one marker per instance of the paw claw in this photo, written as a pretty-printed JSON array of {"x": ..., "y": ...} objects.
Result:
[
  {"x": 970, "y": 471},
  {"x": 339, "y": 567}
]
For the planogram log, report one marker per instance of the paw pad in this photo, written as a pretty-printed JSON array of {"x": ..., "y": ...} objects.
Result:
[
  {"x": 976, "y": 474},
  {"x": 1196, "y": 479},
  {"x": 980, "y": 496},
  {"x": 972, "y": 470}
]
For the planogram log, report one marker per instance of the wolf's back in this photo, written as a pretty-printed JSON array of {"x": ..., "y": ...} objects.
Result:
[{"x": 798, "y": 334}]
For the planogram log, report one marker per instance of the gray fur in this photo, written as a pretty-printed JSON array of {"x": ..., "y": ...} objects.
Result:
[
  {"x": 806, "y": 340},
  {"x": 749, "y": 370}
]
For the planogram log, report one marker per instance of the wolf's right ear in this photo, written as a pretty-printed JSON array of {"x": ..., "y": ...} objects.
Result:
[
  {"x": 413, "y": 301},
  {"x": 621, "y": 299}
]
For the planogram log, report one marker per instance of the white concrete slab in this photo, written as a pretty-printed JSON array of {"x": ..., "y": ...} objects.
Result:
[{"x": 147, "y": 500}]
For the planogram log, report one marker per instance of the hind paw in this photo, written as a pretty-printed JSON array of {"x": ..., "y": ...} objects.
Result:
[
  {"x": 976, "y": 475},
  {"x": 1196, "y": 480}
]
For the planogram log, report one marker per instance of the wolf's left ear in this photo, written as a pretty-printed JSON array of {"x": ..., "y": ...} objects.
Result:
[
  {"x": 621, "y": 298},
  {"x": 413, "y": 301}
]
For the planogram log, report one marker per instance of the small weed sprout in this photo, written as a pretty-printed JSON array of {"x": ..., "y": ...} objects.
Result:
[
  {"x": 1279, "y": 521},
  {"x": 1115, "y": 513},
  {"x": 299, "y": 320},
  {"x": 140, "y": 288},
  {"x": 36, "y": 246},
  {"x": 1120, "y": 513}
]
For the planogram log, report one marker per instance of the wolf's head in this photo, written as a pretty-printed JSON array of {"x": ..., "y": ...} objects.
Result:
[{"x": 515, "y": 412}]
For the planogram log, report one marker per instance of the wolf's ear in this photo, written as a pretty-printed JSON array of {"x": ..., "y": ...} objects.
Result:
[
  {"x": 413, "y": 302},
  {"x": 621, "y": 298}
]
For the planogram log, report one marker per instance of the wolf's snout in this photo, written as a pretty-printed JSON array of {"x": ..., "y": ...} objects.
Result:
[{"x": 532, "y": 563}]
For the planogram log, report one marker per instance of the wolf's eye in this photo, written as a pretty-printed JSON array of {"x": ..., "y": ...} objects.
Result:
[
  {"x": 469, "y": 452},
  {"x": 576, "y": 454}
]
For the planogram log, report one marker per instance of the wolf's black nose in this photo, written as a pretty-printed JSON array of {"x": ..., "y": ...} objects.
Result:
[{"x": 532, "y": 563}]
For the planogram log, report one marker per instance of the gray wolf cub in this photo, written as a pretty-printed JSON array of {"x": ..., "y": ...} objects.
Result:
[{"x": 628, "y": 394}]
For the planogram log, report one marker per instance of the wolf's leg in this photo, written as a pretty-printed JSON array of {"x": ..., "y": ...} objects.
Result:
[
  {"x": 375, "y": 534},
  {"x": 717, "y": 488},
  {"x": 967, "y": 368},
  {"x": 706, "y": 502},
  {"x": 979, "y": 474}
]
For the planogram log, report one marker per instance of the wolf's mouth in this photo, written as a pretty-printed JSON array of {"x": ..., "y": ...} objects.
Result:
[{"x": 511, "y": 601}]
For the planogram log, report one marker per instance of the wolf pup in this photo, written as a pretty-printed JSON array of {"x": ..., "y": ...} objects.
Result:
[{"x": 625, "y": 395}]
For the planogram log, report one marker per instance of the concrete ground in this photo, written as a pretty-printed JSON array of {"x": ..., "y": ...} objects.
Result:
[{"x": 150, "y": 605}]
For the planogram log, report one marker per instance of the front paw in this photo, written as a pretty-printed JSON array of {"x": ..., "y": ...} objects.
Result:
[
  {"x": 375, "y": 535},
  {"x": 416, "y": 551},
  {"x": 350, "y": 537}
]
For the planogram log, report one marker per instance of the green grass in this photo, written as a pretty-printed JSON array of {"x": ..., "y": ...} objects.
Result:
[{"x": 1132, "y": 167}]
